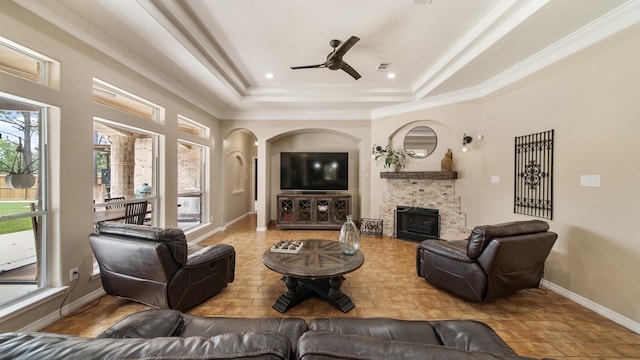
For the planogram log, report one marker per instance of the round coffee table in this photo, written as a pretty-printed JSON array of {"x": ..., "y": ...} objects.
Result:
[{"x": 317, "y": 270}]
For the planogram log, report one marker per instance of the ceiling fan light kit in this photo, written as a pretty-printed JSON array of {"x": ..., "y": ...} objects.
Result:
[{"x": 334, "y": 59}]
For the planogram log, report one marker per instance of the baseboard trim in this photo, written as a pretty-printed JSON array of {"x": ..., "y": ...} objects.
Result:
[
  {"x": 608, "y": 313},
  {"x": 233, "y": 221},
  {"x": 68, "y": 309},
  {"x": 205, "y": 235}
]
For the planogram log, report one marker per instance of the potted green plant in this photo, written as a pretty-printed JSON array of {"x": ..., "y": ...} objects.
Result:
[{"x": 392, "y": 159}]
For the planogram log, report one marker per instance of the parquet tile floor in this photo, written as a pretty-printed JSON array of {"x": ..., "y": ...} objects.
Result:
[{"x": 536, "y": 322}]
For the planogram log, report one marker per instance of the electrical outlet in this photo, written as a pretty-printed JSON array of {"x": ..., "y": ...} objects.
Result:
[{"x": 73, "y": 274}]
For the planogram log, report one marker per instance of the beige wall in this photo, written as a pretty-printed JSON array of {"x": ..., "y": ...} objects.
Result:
[
  {"x": 591, "y": 100},
  {"x": 239, "y": 151}
]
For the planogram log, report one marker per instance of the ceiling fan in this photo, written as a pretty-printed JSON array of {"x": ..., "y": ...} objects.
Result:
[{"x": 334, "y": 59}]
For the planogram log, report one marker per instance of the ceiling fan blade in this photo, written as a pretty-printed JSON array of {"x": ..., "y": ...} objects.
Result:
[
  {"x": 309, "y": 66},
  {"x": 349, "y": 70},
  {"x": 344, "y": 47}
]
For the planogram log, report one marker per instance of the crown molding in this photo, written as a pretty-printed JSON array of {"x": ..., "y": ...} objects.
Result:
[
  {"x": 614, "y": 22},
  {"x": 234, "y": 93},
  {"x": 176, "y": 18},
  {"x": 493, "y": 27},
  {"x": 315, "y": 115},
  {"x": 64, "y": 19}
]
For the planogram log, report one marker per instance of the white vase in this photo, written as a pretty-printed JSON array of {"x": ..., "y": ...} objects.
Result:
[
  {"x": 20, "y": 181},
  {"x": 392, "y": 168}
]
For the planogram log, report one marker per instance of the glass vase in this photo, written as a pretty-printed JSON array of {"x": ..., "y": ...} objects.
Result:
[{"x": 349, "y": 237}]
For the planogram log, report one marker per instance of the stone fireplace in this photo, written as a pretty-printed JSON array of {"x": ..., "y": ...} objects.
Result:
[{"x": 431, "y": 190}]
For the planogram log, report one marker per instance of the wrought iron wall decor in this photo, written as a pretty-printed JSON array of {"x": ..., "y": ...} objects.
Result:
[{"x": 533, "y": 189}]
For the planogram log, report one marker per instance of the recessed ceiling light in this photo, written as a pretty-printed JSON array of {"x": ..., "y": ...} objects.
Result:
[
  {"x": 269, "y": 75},
  {"x": 391, "y": 75}
]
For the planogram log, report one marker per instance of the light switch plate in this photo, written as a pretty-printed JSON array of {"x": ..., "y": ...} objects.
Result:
[
  {"x": 590, "y": 180},
  {"x": 495, "y": 179}
]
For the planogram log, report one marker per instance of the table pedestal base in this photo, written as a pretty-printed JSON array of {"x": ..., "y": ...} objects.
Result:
[{"x": 328, "y": 290}]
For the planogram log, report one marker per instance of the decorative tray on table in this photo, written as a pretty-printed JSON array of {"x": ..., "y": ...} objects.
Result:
[{"x": 287, "y": 246}]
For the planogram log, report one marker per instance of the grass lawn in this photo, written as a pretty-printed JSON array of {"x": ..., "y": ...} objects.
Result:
[{"x": 14, "y": 207}]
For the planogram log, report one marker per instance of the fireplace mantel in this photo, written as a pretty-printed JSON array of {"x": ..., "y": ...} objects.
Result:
[{"x": 428, "y": 175}]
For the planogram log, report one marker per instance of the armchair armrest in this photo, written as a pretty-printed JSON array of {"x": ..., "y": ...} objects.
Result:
[
  {"x": 199, "y": 255},
  {"x": 455, "y": 250}
]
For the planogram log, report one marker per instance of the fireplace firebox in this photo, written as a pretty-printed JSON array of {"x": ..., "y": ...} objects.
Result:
[{"x": 417, "y": 224}]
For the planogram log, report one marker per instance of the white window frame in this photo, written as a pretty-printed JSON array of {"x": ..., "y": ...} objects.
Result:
[{"x": 42, "y": 214}]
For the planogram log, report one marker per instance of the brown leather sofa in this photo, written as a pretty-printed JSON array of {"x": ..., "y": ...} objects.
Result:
[
  {"x": 158, "y": 267},
  {"x": 169, "y": 334},
  {"x": 495, "y": 260}
]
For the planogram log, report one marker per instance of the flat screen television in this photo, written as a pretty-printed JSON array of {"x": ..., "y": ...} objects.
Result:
[{"x": 314, "y": 171}]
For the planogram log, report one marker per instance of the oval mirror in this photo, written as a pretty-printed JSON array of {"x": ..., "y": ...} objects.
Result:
[{"x": 420, "y": 141}]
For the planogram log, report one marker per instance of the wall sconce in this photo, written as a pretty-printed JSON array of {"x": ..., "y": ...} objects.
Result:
[{"x": 466, "y": 140}]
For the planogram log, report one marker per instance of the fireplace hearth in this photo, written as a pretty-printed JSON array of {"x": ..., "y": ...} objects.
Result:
[{"x": 417, "y": 224}]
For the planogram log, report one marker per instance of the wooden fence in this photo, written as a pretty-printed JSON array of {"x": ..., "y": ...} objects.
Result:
[{"x": 7, "y": 193}]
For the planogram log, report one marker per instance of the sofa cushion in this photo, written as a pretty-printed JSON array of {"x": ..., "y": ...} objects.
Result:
[
  {"x": 482, "y": 235},
  {"x": 381, "y": 328},
  {"x": 292, "y": 328},
  {"x": 146, "y": 324},
  {"x": 319, "y": 345},
  {"x": 28, "y": 346},
  {"x": 471, "y": 335},
  {"x": 174, "y": 238}
]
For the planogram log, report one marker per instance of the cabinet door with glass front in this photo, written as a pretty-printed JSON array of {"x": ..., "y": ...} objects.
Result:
[
  {"x": 304, "y": 211},
  {"x": 285, "y": 210},
  {"x": 340, "y": 209},
  {"x": 322, "y": 211}
]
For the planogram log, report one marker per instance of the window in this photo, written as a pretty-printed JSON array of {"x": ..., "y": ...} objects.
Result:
[
  {"x": 23, "y": 186},
  {"x": 125, "y": 168},
  {"x": 22, "y": 62},
  {"x": 191, "y": 127},
  {"x": 111, "y": 96},
  {"x": 125, "y": 160},
  {"x": 191, "y": 167}
]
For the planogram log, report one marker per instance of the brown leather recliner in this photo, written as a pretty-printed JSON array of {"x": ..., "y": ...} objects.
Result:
[
  {"x": 157, "y": 267},
  {"x": 495, "y": 260}
]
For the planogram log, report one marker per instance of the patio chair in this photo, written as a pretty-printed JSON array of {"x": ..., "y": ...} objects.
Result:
[
  {"x": 135, "y": 213},
  {"x": 112, "y": 199}
]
